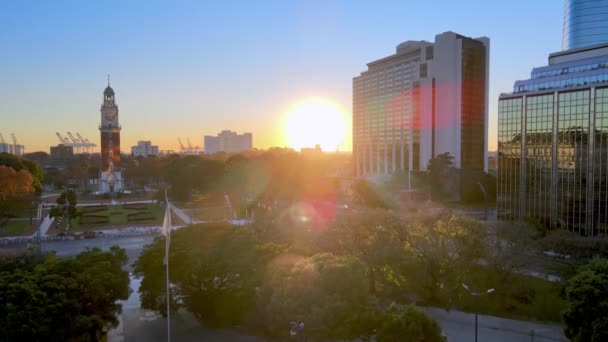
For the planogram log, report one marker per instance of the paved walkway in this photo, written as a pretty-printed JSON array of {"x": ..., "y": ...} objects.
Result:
[
  {"x": 45, "y": 225},
  {"x": 459, "y": 326}
]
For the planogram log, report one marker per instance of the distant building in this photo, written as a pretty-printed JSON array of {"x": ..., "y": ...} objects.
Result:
[
  {"x": 425, "y": 100},
  {"x": 14, "y": 148},
  {"x": 229, "y": 142},
  {"x": 144, "y": 149},
  {"x": 312, "y": 151},
  {"x": 553, "y": 132},
  {"x": 61, "y": 155}
]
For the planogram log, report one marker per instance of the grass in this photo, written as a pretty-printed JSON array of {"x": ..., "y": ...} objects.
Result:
[
  {"x": 15, "y": 228},
  {"x": 118, "y": 216},
  {"x": 519, "y": 297}
]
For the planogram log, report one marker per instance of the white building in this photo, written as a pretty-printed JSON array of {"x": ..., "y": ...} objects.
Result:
[
  {"x": 15, "y": 149},
  {"x": 422, "y": 101},
  {"x": 144, "y": 149},
  {"x": 229, "y": 142}
]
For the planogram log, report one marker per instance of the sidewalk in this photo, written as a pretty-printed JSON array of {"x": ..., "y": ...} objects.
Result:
[{"x": 460, "y": 326}]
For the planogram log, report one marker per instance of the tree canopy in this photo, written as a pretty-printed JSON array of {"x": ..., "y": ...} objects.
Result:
[
  {"x": 15, "y": 191},
  {"x": 20, "y": 163},
  {"x": 586, "y": 317},
  {"x": 46, "y": 298}
]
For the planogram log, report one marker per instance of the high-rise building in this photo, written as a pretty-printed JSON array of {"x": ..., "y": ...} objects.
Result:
[
  {"x": 553, "y": 139},
  {"x": 585, "y": 23},
  {"x": 110, "y": 178},
  {"x": 229, "y": 142},
  {"x": 144, "y": 149},
  {"x": 422, "y": 101}
]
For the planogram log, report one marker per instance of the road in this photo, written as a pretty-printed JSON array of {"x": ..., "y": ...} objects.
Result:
[{"x": 460, "y": 327}]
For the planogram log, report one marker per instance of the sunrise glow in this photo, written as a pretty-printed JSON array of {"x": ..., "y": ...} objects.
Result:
[{"x": 316, "y": 121}]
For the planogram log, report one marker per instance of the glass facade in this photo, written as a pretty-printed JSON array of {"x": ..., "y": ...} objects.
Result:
[
  {"x": 572, "y": 149},
  {"x": 509, "y": 157},
  {"x": 585, "y": 23},
  {"x": 539, "y": 137},
  {"x": 557, "y": 174}
]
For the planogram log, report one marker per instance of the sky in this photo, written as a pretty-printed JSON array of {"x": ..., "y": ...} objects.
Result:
[{"x": 193, "y": 68}]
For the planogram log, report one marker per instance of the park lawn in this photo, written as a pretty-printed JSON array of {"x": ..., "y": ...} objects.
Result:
[
  {"x": 521, "y": 297},
  {"x": 118, "y": 217},
  {"x": 16, "y": 228}
]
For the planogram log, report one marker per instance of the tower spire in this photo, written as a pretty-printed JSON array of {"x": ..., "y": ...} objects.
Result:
[{"x": 108, "y": 80}]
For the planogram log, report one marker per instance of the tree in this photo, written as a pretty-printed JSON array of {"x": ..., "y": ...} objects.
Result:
[
  {"x": 440, "y": 251},
  {"x": 20, "y": 163},
  {"x": 214, "y": 271},
  {"x": 325, "y": 296},
  {"x": 586, "y": 317},
  {"x": 368, "y": 235},
  {"x": 368, "y": 195},
  {"x": 66, "y": 198},
  {"x": 508, "y": 248},
  {"x": 46, "y": 298},
  {"x": 400, "y": 321},
  {"x": 441, "y": 171},
  {"x": 15, "y": 190}
]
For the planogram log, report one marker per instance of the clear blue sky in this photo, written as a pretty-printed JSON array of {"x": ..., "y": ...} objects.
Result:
[{"x": 190, "y": 68}]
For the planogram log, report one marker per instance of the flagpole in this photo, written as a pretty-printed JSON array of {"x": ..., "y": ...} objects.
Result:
[{"x": 167, "y": 227}]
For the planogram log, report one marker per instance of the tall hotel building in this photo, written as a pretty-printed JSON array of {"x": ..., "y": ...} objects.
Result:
[
  {"x": 553, "y": 131},
  {"x": 422, "y": 101}
]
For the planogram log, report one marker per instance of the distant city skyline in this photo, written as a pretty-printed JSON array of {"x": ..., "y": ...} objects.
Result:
[{"x": 192, "y": 69}]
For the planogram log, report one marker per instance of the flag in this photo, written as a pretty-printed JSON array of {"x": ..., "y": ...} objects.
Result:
[{"x": 166, "y": 228}]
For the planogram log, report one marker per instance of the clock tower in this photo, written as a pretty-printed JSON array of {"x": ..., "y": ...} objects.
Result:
[{"x": 110, "y": 177}]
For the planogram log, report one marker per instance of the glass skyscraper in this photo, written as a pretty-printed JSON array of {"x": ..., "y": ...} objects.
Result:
[
  {"x": 553, "y": 140},
  {"x": 585, "y": 23}
]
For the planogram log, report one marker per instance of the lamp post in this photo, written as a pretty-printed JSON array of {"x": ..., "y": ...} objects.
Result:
[{"x": 476, "y": 294}]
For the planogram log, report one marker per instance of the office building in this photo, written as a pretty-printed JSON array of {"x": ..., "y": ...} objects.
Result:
[
  {"x": 553, "y": 139},
  {"x": 144, "y": 149},
  {"x": 229, "y": 142},
  {"x": 585, "y": 23},
  {"x": 110, "y": 177},
  {"x": 424, "y": 100},
  {"x": 61, "y": 155}
]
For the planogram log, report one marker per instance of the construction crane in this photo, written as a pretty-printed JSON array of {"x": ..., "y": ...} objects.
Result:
[
  {"x": 80, "y": 137},
  {"x": 17, "y": 149},
  {"x": 182, "y": 149},
  {"x": 79, "y": 144},
  {"x": 63, "y": 140},
  {"x": 75, "y": 144},
  {"x": 189, "y": 144}
]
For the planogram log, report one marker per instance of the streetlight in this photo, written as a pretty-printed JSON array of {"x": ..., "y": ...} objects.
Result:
[{"x": 476, "y": 294}]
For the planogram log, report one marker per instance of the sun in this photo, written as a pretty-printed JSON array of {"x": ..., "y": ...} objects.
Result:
[{"x": 316, "y": 121}]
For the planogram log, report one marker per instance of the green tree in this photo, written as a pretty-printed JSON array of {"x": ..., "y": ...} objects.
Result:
[
  {"x": 325, "y": 296},
  {"x": 400, "y": 321},
  {"x": 369, "y": 195},
  {"x": 67, "y": 198},
  {"x": 586, "y": 317},
  {"x": 440, "y": 252},
  {"x": 370, "y": 236},
  {"x": 46, "y": 298},
  {"x": 440, "y": 172},
  {"x": 213, "y": 270}
]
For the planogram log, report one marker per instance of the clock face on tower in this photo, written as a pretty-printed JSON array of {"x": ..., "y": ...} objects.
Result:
[{"x": 110, "y": 116}]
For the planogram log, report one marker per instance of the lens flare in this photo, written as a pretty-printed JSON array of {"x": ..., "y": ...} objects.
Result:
[{"x": 316, "y": 121}]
